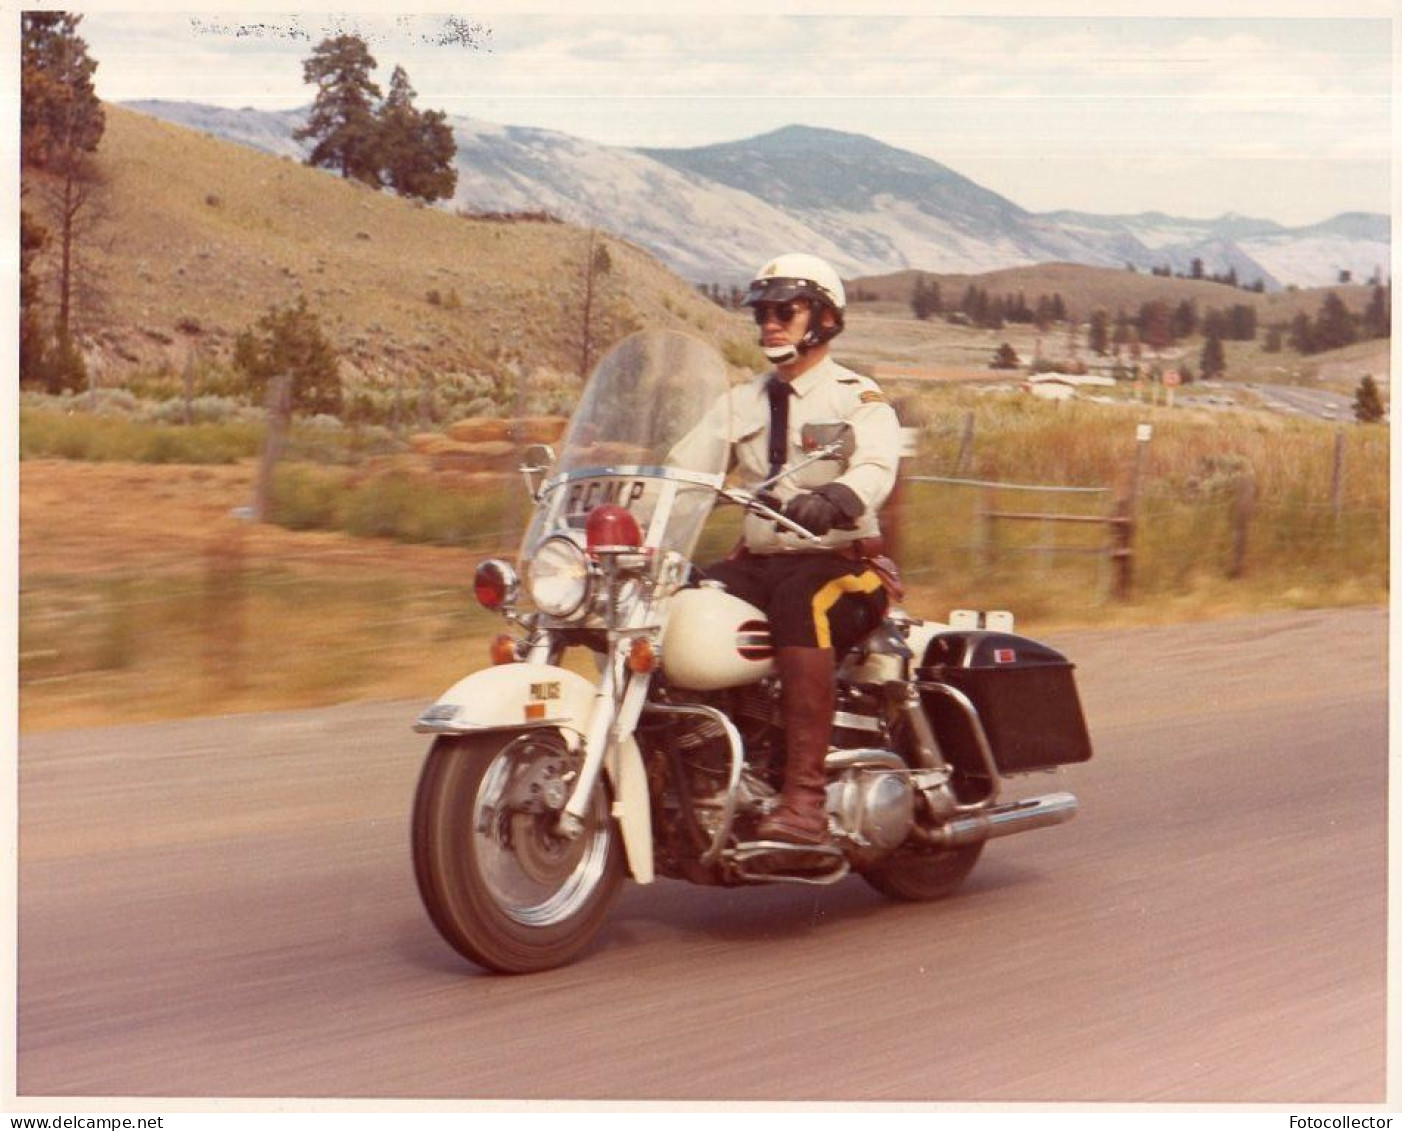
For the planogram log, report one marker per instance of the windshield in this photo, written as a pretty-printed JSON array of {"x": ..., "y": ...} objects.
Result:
[{"x": 652, "y": 434}]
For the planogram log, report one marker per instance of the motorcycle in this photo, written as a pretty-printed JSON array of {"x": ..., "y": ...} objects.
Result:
[{"x": 630, "y": 723}]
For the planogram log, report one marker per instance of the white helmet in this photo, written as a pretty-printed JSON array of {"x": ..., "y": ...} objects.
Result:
[{"x": 800, "y": 276}]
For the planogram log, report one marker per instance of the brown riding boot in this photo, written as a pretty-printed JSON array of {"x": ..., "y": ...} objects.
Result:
[{"x": 809, "y": 689}]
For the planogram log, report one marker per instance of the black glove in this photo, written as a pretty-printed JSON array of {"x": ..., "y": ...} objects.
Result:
[
  {"x": 813, "y": 512},
  {"x": 820, "y": 510}
]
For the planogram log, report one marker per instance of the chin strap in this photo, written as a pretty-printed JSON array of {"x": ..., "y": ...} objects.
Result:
[{"x": 782, "y": 355}]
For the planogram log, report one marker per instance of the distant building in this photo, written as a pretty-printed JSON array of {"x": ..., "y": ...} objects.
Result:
[{"x": 1063, "y": 386}]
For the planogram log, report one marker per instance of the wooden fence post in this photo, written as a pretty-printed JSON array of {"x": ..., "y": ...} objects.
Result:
[
  {"x": 1125, "y": 520},
  {"x": 892, "y": 514},
  {"x": 1122, "y": 550},
  {"x": 1336, "y": 491},
  {"x": 279, "y": 412},
  {"x": 225, "y": 596},
  {"x": 1243, "y": 507},
  {"x": 986, "y": 531},
  {"x": 426, "y": 406},
  {"x": 966, "y": 445},
  {"x": 189, "y": 387}
]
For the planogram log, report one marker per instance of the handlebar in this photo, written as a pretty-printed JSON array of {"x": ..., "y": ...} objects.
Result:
[{"x": 750, "y": 501}]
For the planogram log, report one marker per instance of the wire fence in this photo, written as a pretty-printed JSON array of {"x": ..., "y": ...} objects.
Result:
[{"x": 230, "y": 605}]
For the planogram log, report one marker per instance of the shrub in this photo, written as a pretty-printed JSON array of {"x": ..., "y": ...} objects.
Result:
[
  {"x": 50, "y": 433},
  {"x": 305, "y": 499},
  {"x": 289, "y": 341},
  {"x": 398, "y": 506},
  {"x": 203, "y": 410}
]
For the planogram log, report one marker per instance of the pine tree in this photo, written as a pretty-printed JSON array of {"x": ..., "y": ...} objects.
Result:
[
  {"x": 925, "y": 302},
  {"x": 1333, "y": 327},
  {"x": 415, "y": 149},
  {"x": 1367, "y": 402},
  {"x": 1241, "y": 320},
  {"x": 1302, "y": 334},
  {"x": 1005, "y": 357},
  {"x": 1377, "y": 319},
  {"x": 1046, "y": 313},
  {"x": 60, "y": 114},
  {"x": 1098, "y": 337},
  {"x": 33, "y": 236},
  {"x": 1120, "y": 338},
  {"x": 343, "y": 122},
  {"x": 1185, "y": 317},
  {"x": 1155, "y": 325},
  {"x": 1214, "y": 358},
  {"x": 61, "y": 122}
]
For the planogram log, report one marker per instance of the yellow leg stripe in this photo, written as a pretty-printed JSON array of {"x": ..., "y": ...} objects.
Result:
[{"x": 827, "y": 597}]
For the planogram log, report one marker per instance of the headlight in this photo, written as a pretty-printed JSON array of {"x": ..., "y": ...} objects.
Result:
[{"x": 558, "y": 577}]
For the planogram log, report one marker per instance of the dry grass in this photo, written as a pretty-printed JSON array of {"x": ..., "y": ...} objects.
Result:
[{"x": 143, "y": 598}]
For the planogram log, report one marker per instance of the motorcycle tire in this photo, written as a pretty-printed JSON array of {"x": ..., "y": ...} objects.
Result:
[
  {"x": 918, "y": 879},
  {"x": 498, "y": 885}
]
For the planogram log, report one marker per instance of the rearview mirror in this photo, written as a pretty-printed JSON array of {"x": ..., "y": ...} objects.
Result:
[{"x": 536, "y": 463}]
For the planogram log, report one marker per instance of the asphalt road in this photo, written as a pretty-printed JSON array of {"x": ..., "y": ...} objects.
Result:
[
  {"x": 1297, "y": 400},
  {"x": 225, "y": 908}
]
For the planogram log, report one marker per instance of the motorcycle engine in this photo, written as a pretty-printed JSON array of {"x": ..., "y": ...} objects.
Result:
[{"x": 874, "y": 806}]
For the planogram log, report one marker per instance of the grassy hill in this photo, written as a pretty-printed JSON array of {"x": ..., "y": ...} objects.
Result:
[
  {"x": 194, "y": 238},
  {"x": 1085, "y": 289}
]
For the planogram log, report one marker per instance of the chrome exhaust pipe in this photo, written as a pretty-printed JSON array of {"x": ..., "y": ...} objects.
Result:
[{"x": 1002, "y": 820}]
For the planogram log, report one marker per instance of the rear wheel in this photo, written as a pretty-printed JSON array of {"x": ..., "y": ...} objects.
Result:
[
  {"x": 925, "y": 877},
  {"x": 501, "y": 887}
]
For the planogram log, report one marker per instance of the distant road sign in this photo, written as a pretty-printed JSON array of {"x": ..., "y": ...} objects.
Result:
[{"x": 1172, "y": 378}]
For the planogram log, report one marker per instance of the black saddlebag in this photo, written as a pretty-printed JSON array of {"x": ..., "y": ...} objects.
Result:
[{"x": 1025, "y": 695}]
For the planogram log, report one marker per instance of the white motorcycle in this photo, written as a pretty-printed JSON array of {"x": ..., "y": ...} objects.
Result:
[{"x": 660, "y": 753}]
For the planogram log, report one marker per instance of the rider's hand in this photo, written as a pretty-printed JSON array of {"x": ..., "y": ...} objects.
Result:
[
  {"x": 813, "y": 512},
  {"x": 825, "y": 507}
]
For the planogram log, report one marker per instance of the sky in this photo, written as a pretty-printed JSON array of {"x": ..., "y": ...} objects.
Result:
[{"x": 1287, "y": 119}]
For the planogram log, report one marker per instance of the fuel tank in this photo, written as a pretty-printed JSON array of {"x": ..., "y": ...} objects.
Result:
[{"x": 714, "y": 640}]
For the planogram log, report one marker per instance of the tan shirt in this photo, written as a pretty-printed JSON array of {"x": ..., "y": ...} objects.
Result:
[{"x": 827, "y": 392}]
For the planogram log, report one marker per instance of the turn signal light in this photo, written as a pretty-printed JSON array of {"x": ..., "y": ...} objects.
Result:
[
  {"x": 495, "y": 584},
  {"x": 504, "y": 649},
  {"x": 642, "y": 656},
  {"x": 611, "y": 527}
]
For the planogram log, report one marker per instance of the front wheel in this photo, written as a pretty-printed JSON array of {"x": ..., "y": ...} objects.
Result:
[
  {"x": 925, "y": 877},
  {"x": 500, "y": 886}
]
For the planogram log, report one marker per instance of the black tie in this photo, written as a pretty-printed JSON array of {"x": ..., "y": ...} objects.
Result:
[{"x": 779, "y": 394}]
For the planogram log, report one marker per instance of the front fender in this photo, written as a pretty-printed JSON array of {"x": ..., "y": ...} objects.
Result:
[{"x": 516, "y": 697}]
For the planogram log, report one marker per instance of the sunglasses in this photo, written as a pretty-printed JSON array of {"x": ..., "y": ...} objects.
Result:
[{"x": 782, "y": 312}]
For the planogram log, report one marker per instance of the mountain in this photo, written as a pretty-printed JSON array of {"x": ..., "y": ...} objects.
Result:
[
  {"x": 710, "y": 213},
  {"x": 885, "y": 208}
]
